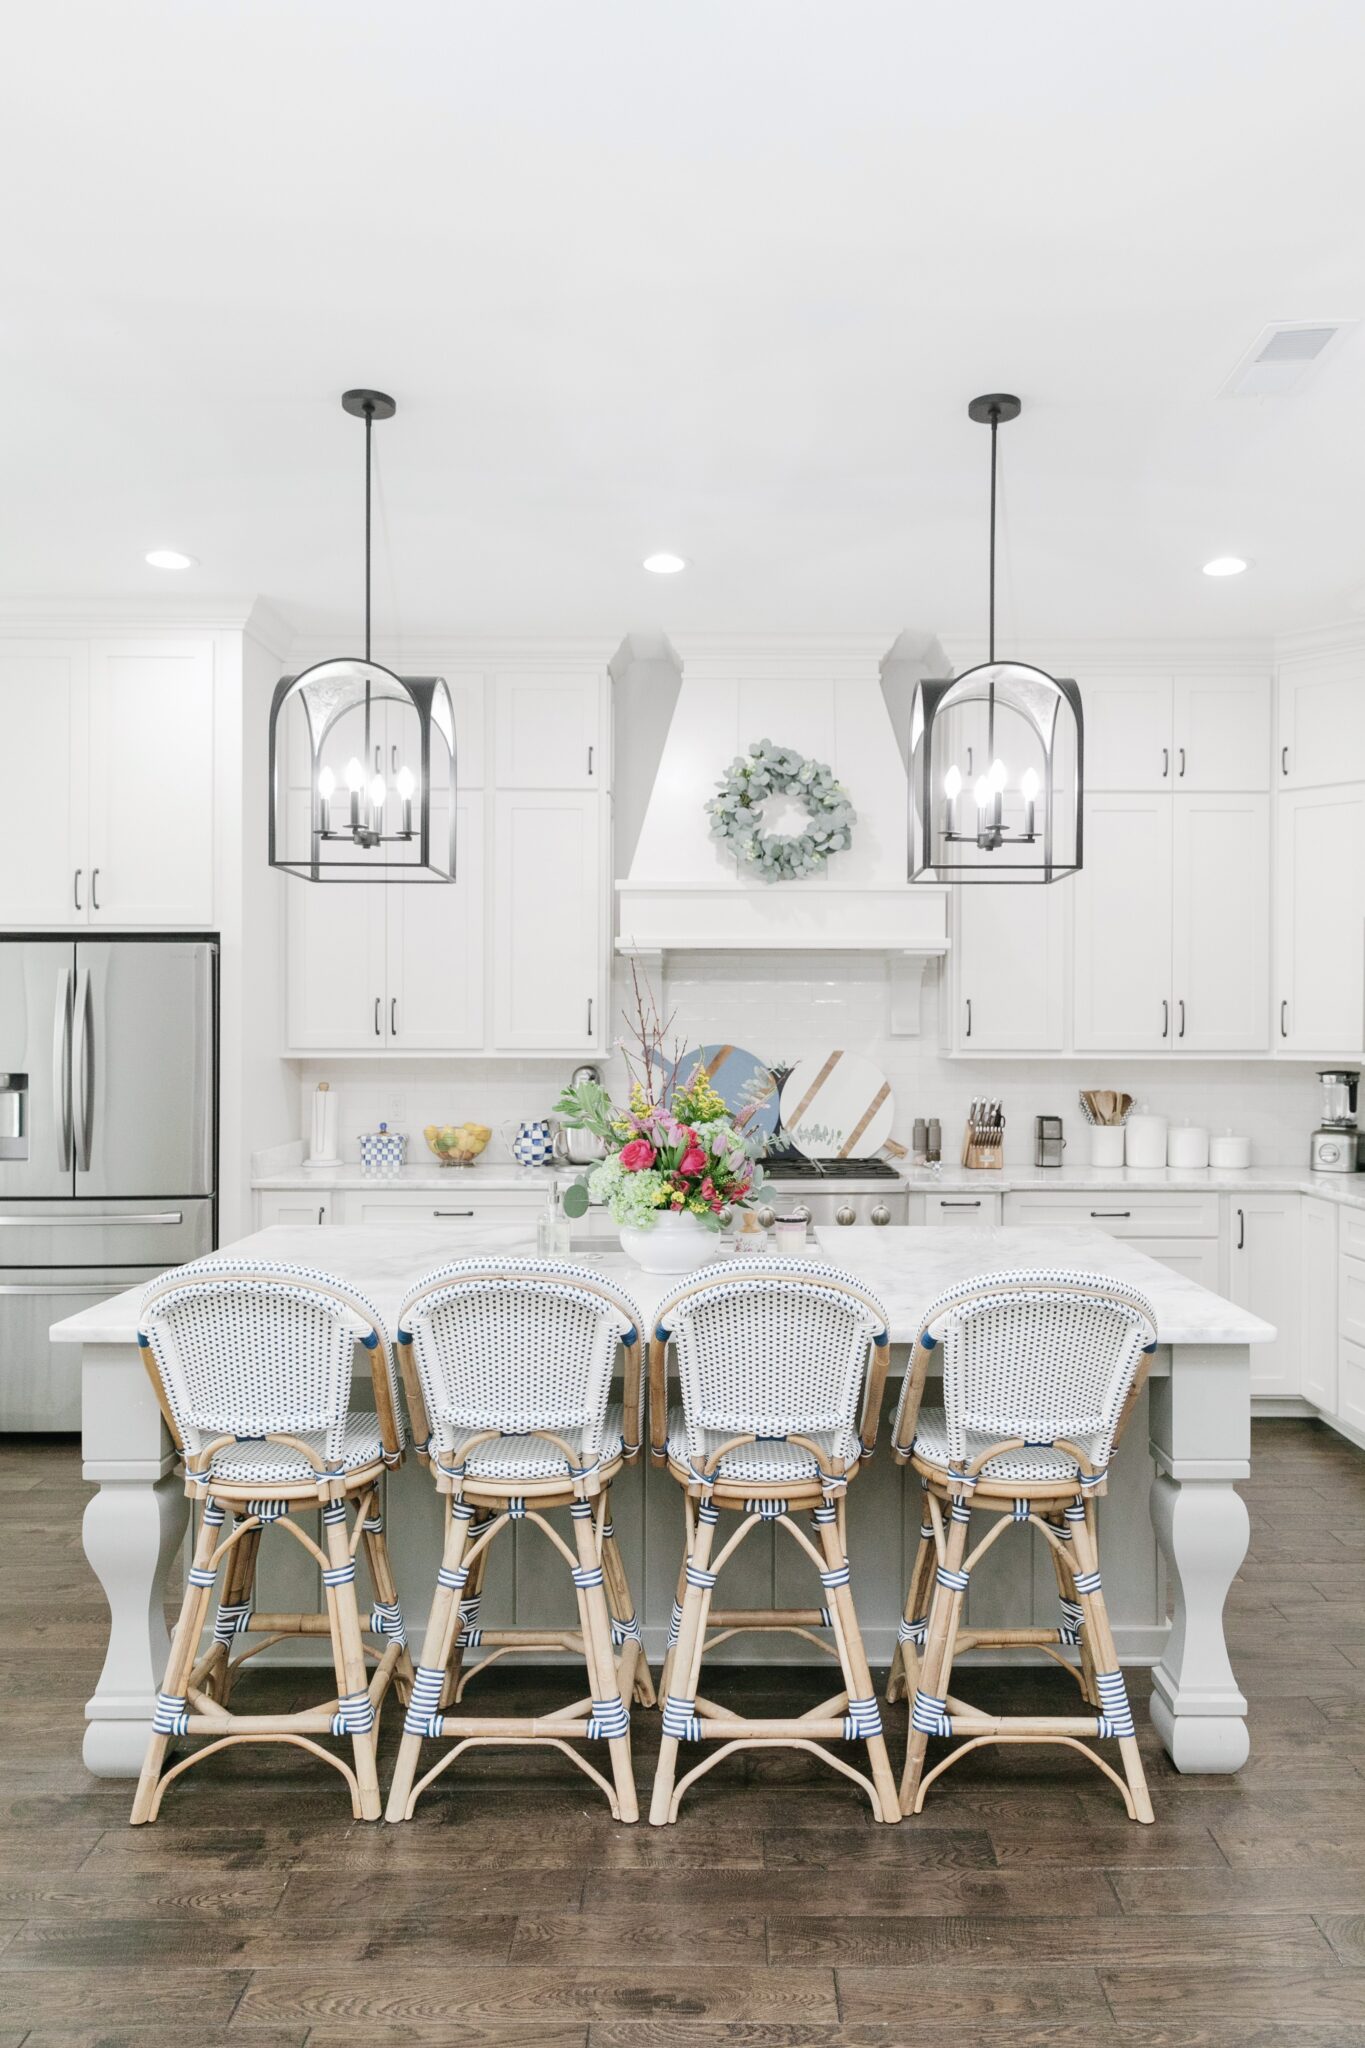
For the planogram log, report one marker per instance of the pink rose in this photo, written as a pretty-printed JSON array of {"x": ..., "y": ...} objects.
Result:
[
  {"x": 637, "y": 1155},
  {"x": 693, "y": 1161}
]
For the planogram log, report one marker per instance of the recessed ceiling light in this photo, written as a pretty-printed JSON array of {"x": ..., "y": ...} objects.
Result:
[
  {"x": 169, "y": 558},
  {"x": 664, "y": 564},
  {"x": 1224, "y": 565}
]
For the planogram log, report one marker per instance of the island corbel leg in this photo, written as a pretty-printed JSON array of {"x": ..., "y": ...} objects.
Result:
[
  {"x": 1201, "y": 1441},
  {"x": 132, "y": 1529}
]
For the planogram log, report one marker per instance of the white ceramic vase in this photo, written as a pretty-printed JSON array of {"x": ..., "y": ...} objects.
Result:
[{"x": 674, "y": 1243}]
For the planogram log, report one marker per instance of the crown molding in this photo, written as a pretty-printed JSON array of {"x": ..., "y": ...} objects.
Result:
[
  {"x": 1346, "y": 636},
  {"x": 138, "y": 614}
]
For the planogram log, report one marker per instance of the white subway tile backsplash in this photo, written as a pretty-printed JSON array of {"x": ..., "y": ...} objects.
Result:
[{"x": 787, "y": 1007}]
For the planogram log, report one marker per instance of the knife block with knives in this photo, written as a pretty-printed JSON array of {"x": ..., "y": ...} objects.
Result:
[{"x": 983, "y": 1141}]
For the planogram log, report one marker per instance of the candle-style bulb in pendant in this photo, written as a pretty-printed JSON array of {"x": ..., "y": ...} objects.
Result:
[{"x": 952, "y": 783}]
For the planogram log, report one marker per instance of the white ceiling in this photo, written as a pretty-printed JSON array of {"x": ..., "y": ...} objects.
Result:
[{"x": 716, "y": 276}]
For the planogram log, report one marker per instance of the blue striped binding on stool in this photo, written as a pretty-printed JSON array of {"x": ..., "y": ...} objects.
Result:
[
  {"x": 471, "y": 1635},
  {"x": 1074, "y": 1511},
  {"x": 354, "y": 1714},
  {"x": 627, "y": 1631},
  {"x": 959, "y": 1512},
  {"x": 202, "y": 1574},
  {"x": 463, "y": 1511},
  {"x": 681, "y": 1719},
  {"x": 213, "y": 1512},
  {"x": 232, "y": 1621},
  {"x": 1073, "y": 1621},
  {"x": 915, "y": 1631},
  {"x": 587, "y": 1575},
  {"x": 707, "y": 1511},
  {"x": 824, "y": 1514},
  {"x": 953, "y": 1582},
  {"x": 335, "y": 1511},
  {"x": 422, "y": 1717},
  {"x": 840, "y": 1575},
  {"x": 1021, "y": 1510},
  {"x": 826, "y": 1618},
  {"x": 608, "y": 1720},
  {"x": 766, "y": 1510},
  {"x": 702, "y": 1580},
  {"x": 269, "y": 1510},
  {"x": 374, "y": 1526},
  {"x": 1087, "y": 1582},
  {"x": 386, "y": 1619},
  {"x": 862, "y": 1721},
  {"x": 452, "y": 1579},
  {"x": 674, "y": 1625},
  {"x": 1090, "y": 1480},
  {"x": 171, "y": 1716},
  {"x": 340, "y": 1574},
  {"x": 516, "y": 1507},
  {"x": 581, "y": 1510},
  {"x": 929, "y": 1715},
  {"x": 1117, "y": 1716}
]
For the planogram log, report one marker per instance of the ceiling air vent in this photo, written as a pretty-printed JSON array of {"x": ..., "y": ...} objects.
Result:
[{"x": 1282, "y": 357}]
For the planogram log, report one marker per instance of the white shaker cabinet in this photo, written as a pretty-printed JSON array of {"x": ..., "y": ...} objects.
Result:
[
  {"x": 1319, "y": 984},
  {"x": 434, "y": 983},
  {"x": 1128, "y": 736},
  {"x": 1321, "y": 719},
  {"x": 292, "y": 1205},
  {"x": 1008, "y": 968},
  {"x": 1221, "y": 733},
  {"x": 549, "y": 922},
  {"x": 334, "y": 964},
  {"x": 1264, "y": 1275},
  {"x": 1123, "y": 926},
  {"x": 548, "y": 731},
  {"x": 109, "y": 800},
  {"x": 1220, "y": 963},
  {"x": 44, "y": 862},
  {"x": 1318, "y": 1321}
]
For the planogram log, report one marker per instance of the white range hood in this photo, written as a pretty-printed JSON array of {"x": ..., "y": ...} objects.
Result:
[{"x": 676, "y": 732}]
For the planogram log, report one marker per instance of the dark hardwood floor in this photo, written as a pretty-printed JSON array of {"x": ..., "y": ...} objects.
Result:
[{"x": 1021, "y": 1909}]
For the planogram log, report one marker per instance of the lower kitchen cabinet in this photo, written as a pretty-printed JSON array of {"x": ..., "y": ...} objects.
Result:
[
  {"x": 1318, "y": 1320},
  {"x": 291, "y": 1205},
  {"x": 1264, "y": 1275},
  {"x": 962, "y": 1209},
  {"x": 1196, "y": 1257},
  {"x": 400, "y": 1207}
]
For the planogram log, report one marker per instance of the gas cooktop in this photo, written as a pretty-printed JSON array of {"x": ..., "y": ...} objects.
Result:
[{"x": 794, "y": 1166}]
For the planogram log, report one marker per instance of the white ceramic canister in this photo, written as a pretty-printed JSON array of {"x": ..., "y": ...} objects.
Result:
[
  {"x": 1187, "y": 1146},
  {"x": 1106, "y": 1144},
  {"x": 1144, "y": 1140},
  {"x": 1230, "y": 1152}
]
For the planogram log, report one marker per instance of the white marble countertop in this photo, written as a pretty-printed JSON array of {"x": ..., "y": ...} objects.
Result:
[
  {"x": 495, "y": 1175},
  {"x": 906, "y": 1269}
]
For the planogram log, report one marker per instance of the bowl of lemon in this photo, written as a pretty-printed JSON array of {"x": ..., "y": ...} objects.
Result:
[{"x": 457, "y": 1144}]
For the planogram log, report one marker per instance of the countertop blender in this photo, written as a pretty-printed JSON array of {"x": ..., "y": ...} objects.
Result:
[{"x": 1334, "y": 1145}]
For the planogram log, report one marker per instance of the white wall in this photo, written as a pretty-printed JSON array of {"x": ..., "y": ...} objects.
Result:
[{"x": 785, "y": 1008}]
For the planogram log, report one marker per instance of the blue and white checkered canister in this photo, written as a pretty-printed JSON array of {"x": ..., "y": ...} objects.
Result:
[
  {"x": 383, "y": 1151},
  {"x": 534, "y": 1143}
]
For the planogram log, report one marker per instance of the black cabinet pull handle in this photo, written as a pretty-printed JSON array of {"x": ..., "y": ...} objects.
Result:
[
  {"x": 590, "y": 755},
  {"x": 378, "y": 1027},
  {"x": 1181, "y": 752},
  {"x": 1117, "y": 1214},
  {"x": 1181, "y": 1007},
  {"x": 393, "y": 1016},
  {"x": 590, "y": 1016},
  {"x": 1241, "y": 1230},
  {"x": 443, "y": 1213},
  {"x": 94, "y": 888},
  {"x": 945, "y": 1204},
  {"x": 1165, "y": 1018},
  {"x": 76, "y": 887},
  {"x": 969, "y": 1016},
  {"x": 1284, "y": 1026},
  {"x": 1165, "y": 762},
  {"x": 1284, "y": 760},
  {"x": 322, "y": 1213}
]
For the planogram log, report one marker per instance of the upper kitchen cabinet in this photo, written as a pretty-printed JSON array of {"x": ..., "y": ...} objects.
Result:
[
  {"x": 1008, "y": 968},
  {"x": 44, "y": 719},
  {"x": 548, "y": 729},
  {"x": 1195, "y": 732},
  {"x": 151, "y": 783},
  {"x": 109, "y": 816},
  {"x": 1319, "y": 990},
  {"x": 1321, "y": 705},
  {"x": 549, "y": 922}
]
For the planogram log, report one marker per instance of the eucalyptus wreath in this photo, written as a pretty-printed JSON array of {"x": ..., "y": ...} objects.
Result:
[{"x": 767, "y": 770}]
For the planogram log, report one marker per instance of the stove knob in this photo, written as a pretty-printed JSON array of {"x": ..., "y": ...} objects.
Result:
[
  {"x": 766, "y": 1218},
  {"x": 881, "y": 1214},
  {"x": 801, "y": 1211},
  {"x": 846, "y": 1213}
]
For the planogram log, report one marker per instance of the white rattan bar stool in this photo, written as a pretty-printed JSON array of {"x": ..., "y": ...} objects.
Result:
[
  {"x": 780, "y": 1370},
  {"x": 252, "y": 1363},
  {"x": 508, "y": 1366},
  {"x": 1040, "y": 1372}
]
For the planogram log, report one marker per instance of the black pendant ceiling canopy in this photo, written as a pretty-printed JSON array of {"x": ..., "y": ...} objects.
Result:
[
  {"x": 996, "y": 754},
  {"x": 362, "y": 760}
]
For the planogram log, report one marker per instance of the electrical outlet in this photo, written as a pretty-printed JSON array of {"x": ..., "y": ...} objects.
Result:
[{"x": 395, "y": 1111}]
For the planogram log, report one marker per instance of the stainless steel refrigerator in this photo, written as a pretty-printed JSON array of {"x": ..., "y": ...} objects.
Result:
[{"x": 108, "y": 1141}]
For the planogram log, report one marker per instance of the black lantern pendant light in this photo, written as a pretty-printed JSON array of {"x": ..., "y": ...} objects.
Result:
[
  {"x": 362, "y": 761},
  {"x": 996, "y": 765}
]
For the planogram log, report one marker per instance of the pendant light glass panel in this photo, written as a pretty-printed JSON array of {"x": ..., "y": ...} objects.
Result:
[
  {"x": 362, "y": 775},
  {"x": 996, "y": 773}
]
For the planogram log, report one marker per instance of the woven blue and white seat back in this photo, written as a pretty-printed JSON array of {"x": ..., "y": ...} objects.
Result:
[
  {"x": 519, "y": 1346},
  {"x": 763, "y": 1351},
  {"x": 248, "y": 1348},
  {"x": 1039, "y": 1355}
]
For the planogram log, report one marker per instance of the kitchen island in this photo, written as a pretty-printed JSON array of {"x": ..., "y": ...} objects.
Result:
[{"x": 1173, "y": 1529}]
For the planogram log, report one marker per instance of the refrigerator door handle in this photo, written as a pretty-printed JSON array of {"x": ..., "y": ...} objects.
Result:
[
  {"x": 83, "y": 1061},
  {"x": 86, "y": 1220},
  {"x": 61, "y": 1068}
]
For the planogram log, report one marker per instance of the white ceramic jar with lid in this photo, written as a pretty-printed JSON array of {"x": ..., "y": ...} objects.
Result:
[{"x": 1144, "y": 1139}]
